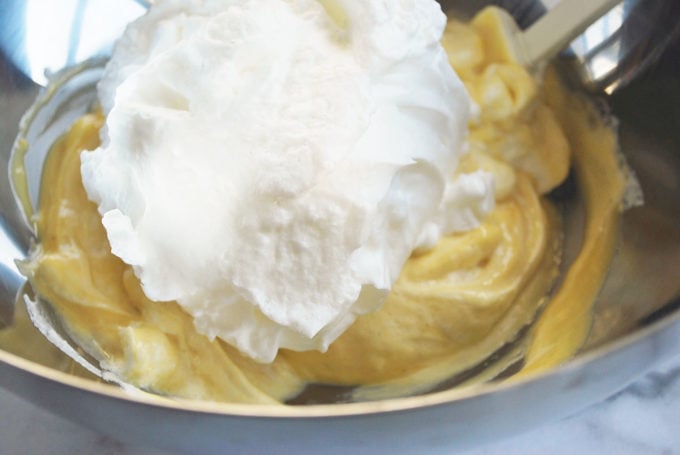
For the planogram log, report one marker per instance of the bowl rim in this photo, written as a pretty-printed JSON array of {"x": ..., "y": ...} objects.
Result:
[{"x": 391, "y": 405}]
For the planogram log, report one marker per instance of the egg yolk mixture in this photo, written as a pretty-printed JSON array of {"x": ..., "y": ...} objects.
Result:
[{"x": 454, "y": 306}]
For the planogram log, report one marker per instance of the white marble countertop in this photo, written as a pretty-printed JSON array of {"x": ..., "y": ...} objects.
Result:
[{"x": 642, "y": 419}]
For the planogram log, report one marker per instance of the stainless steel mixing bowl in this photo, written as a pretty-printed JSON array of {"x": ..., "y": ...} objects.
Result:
[{"x": 637, "y": 317}]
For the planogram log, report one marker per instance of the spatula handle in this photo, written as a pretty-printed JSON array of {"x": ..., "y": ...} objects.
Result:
[{"x": 557, "y": 28}]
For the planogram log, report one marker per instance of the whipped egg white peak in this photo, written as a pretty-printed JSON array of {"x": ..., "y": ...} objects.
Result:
[{"x": 271, "y": 164}]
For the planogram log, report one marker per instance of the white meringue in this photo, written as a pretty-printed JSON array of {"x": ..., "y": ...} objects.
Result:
[{"x": 271, "y": 164}]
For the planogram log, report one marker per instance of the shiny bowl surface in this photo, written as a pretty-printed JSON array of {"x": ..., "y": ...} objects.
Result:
[{"x": 636, "y": 322}]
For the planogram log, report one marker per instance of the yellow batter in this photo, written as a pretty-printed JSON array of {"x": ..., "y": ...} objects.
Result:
[{"x": 452, "y": 306}]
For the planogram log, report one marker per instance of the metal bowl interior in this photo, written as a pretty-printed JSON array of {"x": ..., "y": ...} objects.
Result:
[{"x": 636, "y": 321}]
